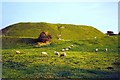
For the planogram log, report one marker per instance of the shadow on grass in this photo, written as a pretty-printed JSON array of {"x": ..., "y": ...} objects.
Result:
[
  {"x": 55, "y": 72},
  {"x": 13, "y": 43}
]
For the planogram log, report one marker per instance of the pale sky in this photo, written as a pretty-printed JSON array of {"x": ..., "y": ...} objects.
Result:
[{"x": 101, "y": 15}]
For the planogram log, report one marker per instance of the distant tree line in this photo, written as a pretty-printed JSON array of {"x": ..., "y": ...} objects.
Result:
[{"x": 111, "y": 33}]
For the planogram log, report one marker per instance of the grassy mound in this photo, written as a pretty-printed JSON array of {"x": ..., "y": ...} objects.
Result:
[{"x": 67, "y": 31}]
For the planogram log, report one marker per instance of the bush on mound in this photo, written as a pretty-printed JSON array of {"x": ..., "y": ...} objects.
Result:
[{"x": 44, "y": 39}]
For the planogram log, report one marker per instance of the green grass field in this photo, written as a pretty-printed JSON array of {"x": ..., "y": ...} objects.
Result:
[{"x": 81, "y": 61}]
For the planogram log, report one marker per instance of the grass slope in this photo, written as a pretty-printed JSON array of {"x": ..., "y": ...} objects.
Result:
[{"x": 69, "y": 31}]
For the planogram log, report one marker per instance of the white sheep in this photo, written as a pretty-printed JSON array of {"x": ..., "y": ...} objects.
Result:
[
  {"x": 95, "y": 37},
  {"x": 63, "y": 54},
  {"x": 71, "y": 45},
  {"x": 59, "y": 39},
  {"x": 44, "y": 53},
  {"x": 59, "y": 35},
  {"x": 106, "y": 49},
  {"x": 96, "y": 50},
  {"x": 63, "y": 49},
  {"x": 66, "y": 49},
  {"x": 56, "y": 53},
  {"x": 18, "y": 52}
]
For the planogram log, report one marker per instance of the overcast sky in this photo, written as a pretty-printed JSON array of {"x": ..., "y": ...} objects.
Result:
[{"x": 101, "y": 15}]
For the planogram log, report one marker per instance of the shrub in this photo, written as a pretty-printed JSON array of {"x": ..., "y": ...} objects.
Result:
[{"x": 44, "y": 37}]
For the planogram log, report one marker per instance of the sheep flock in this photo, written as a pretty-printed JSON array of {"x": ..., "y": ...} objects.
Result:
[
  {"x": 62, "y": 51},
  {"x": 60, "y": 54}
]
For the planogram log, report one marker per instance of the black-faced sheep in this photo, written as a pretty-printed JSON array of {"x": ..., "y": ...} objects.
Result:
[
  {"x": 56, "y": 53},
  {"x": 69, "y": 47},
  {"x": 106, "y": 49},
  {"x": 62, "y": 54}
]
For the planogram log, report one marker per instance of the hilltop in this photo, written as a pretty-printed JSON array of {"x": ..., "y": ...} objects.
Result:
[{"x": 67, "y": 31}]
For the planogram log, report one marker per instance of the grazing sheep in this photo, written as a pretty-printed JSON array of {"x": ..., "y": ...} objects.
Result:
[
  {"x": 106, "y": 49},
  {"x": 59, "y": 35},
  {"x": 71, "y": 45},
  {"x": 63, "y": 49},
  {"x": 56, "y": 53},
  {"x": 59, "y": 39},
  {"x": 66, "y": 49},
  {"x": 96, "y": 50},
  {"x": 44, "y": 53},
  {"x": 17, "y": 52},
  {"x": 63, "y": 54},
  {"x": 95, "y": 37}
]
